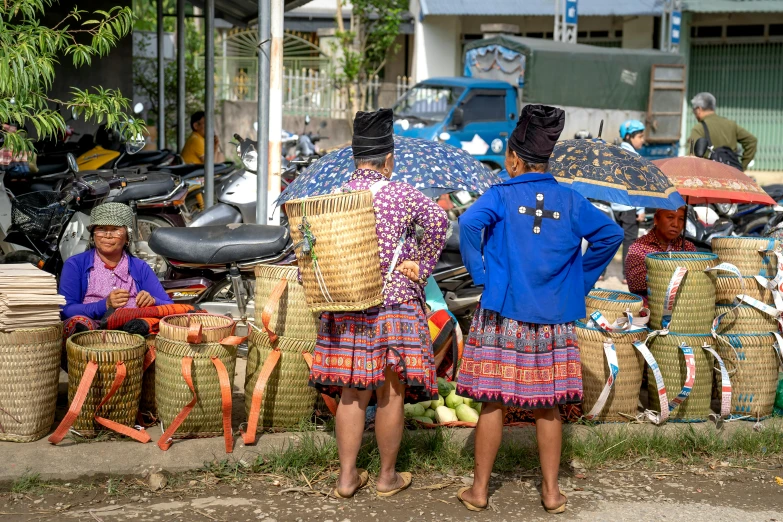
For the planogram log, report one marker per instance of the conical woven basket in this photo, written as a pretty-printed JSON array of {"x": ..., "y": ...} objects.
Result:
[
  {"x": 753, "y": 369},
  {"x": 29, "y": 375},
  {"x": 744, "y": 320},
  {"x": 106, "y": 348},
  {"x": 147, "y": 406},
  {"x": 728, "y": 287},
  {"x": 671, "y": 361},
  {"x": 743, "y": 252},
  {"x": 346, "y": 248},
  {"x": 287, "y": 399},
  {"x": 624, "y": 397},
  {"x": 171, "y": 391},
  {"x": 292, "y": 317},
  {"x": 696, "y": 293},
  {"x": 612, "y": 303}
]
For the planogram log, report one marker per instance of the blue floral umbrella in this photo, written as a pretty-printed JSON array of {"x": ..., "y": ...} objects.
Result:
[
  {"x": 606, "y": 172},
  {"x": 432, "y": 167}
]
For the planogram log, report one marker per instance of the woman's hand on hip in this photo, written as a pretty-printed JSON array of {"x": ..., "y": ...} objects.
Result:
[
  {"x": 409, "y": 269},
  {"x": 144, "y": 299},
  {"x": 117, "y": 298}
]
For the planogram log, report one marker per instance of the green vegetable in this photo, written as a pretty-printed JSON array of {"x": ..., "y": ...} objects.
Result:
[
  {"x": 467, "y": 414},
  {"x": 413, "y": 410},
  {"x": 425, "y": 404},
  {"x": 436, "y": 403},
  {"x": 477, "y": 406},
  {"x": 430, "y": 413},
  {"x": 444, "y": 387},
  {"x": 453, "y": 400},
  {"x": 444, "y": 414},
  {"x": 467, "y": 401},
  {"x": 424, "y": 420}
]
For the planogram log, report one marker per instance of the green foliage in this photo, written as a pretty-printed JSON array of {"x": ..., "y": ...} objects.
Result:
[
  {"x": 28, "y": 54},
  {"x": 27, "y": 483}
]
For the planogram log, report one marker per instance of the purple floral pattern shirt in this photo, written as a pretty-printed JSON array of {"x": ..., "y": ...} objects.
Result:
[
  {"x": 102, "y": 281},
  {"x": 399, "y": 208}
]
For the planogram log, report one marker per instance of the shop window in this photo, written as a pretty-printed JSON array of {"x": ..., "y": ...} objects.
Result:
[
  {"x": 737, "y": 31},
  {"x": 618, "y": 34},
  {"x": 535, "y": 35},
  {"x": 776, "y": 29},
  {"x": 599, "y": 34},
  {"x": 707, "y": 31}
]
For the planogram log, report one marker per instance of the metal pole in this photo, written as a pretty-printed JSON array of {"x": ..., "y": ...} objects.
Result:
[
  {"x": 181, "y": 125},
  {"x": 275, "y": 105},
  {"x": 161, "y": 82},
  {"x": 558, "y": 6},
  {"x": 209, "y": 102},
  {"x": 262, "y": 116}
]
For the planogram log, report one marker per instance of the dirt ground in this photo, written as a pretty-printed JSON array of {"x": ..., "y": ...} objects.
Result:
[{"x": 635, "y": 490}]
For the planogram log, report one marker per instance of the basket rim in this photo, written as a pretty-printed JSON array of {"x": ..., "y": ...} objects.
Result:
[
  {"x": 323, "y": 196},
  {"x": 633, "y": 297},
  {"x": 756, "y": 238},
  {"x": 203, "y": 327},
  {"x": 694, "y": 256},
  {"x": 94, "y": 333}
]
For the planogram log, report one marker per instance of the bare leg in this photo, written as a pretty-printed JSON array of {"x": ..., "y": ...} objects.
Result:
[
  {"x": 549, "y": 435},
  {"x": 489, "y": 433},
  {"x": 349, "y": 427},
  {"x": 389, "y": 423}
]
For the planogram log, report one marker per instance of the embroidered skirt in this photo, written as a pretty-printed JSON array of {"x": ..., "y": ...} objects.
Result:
[
  {"x": 354, "y": 349},
  {"x": 531, "y": 366}
]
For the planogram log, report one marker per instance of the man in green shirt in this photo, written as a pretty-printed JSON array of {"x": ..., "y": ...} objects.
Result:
[{"x": 723, "y": 132}]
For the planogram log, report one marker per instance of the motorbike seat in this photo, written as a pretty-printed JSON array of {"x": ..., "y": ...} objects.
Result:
[
  {"x": 156, "y": 184},
  {"x": 219, "y": 245},
  {"x": 194, "y": 170},
  {"x": 145, "y": 157}
]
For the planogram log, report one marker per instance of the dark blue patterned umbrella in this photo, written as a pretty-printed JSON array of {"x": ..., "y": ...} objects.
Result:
[{"x": 432, "y": 167}]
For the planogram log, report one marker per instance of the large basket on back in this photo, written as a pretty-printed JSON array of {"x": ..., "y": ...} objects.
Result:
[
  {"x": 341, "y": 271},
  {"x": 281, "y": 298},
  {"x": 695, "y": 295},
  {"x": 746, "y": 254},
  {"x": 671, "y": 361},
  {"x": 200, "y": 348},
  {"x": 286, "y": 399},
  {"x": 624, "y": 396},
  {"x": 753, "y": 369},
  {"x": 745, "y": 319},
  {"x": 110, "y": 350},
  {"x": 29, "y": 375},
  {"x": 612, "y": 303}
]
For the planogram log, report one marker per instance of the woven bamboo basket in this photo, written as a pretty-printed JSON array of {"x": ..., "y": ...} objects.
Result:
[
  {"x": 745, "y": 320},
  {"x": 743, "y": 252},
  {"x": 147, "y": 407},
  {"x": 106, "y": 348},
  {"x": 696, "y": 293},
  {"x": 29, "y": 375},
  {"x": 753, "y": 369},
  {"x": 612, "y": 303},
  {"x": 292, "y": 317},
  {"x": 346, "y": 247},
  {"x": 287, "y": 399},
  {"x": 671, "y": 361},
  {"x": 728, "y": 287},
  {"x": 624, "y": 397},
  {"x": 171, "y": 391}
]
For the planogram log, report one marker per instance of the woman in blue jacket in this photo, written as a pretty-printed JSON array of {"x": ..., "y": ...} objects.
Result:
[
  {"x": 107, "y": 277},
  {"x": 522, "y": 241}
]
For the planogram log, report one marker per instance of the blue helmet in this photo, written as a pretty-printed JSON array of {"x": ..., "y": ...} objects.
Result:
[{"x": 631, "y": 127}]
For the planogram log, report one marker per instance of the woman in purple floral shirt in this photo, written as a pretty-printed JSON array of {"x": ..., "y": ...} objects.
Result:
[{"x": 387, "y": 349}]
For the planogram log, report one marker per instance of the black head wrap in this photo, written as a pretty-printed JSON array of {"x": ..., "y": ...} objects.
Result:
[
  {"x": 536, "y": 133},
  {"x": 373, "y": 133}
]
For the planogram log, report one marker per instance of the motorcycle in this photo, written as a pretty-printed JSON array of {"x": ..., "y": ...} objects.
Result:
[{"x": 454, "y": 280}]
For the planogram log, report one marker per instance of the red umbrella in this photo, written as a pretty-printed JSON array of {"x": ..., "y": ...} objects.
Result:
[{"x": 700, "y": 181}]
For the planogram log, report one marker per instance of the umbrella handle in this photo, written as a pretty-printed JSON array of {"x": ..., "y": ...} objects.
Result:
[{"x": 601, "y": 129}]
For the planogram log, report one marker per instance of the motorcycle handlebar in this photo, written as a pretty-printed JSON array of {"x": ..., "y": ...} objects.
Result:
[{"x": 66, "y": 200}]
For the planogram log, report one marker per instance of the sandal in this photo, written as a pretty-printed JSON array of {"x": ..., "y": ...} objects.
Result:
[
  {"x": 467, "y": 504},
  {"x": 406, "y": 477},
  {"x": 559, "y": 509},
  {"x": 364, "y": 478}
]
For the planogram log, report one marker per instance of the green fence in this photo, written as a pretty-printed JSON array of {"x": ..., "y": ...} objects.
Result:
[{"x": 747, "y": 80}]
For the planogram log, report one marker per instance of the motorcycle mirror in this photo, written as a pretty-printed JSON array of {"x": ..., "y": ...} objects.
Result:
[
  {"x": 135, "y": 144},
  {"x": 72, "y": 165},
  {"x": 700, "y": 147},
  {"x": 250, "y": 160},
  {"x": 138, "y": 108}
]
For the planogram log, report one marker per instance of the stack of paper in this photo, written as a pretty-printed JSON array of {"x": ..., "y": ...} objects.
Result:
[{"x": 28, "y": 298}]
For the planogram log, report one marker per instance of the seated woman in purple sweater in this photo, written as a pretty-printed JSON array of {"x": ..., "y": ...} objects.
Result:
[{"x": 107, "y": 277}]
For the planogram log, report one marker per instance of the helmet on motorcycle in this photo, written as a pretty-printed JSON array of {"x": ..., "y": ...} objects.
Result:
[{"x": 631, "y": 127}]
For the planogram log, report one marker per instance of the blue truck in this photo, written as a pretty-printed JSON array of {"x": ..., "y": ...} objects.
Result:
[{"x": 594, "y": 85}]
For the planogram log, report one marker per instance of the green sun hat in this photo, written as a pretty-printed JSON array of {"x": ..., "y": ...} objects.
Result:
[{"x": 112, "y": 214}]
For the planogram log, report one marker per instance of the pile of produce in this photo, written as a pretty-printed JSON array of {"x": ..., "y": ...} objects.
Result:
[{"x": 449, "y": 407}]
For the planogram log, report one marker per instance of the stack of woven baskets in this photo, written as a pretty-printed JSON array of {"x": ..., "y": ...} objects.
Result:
[{"x": 745, "y": 333}]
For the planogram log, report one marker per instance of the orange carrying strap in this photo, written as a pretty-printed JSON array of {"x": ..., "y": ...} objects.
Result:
[
  {"x": 149, "y": 358},
  {"x": 78, "y": 402},
  {"x": 249, "y": 436},
  {"x": 330, "y": 401},
  {"x": 270, "y": 307},
  {"x": 165, "y": 440},
  {"x": 225, "y": 397},
  {"x": 194, "y": 333},
  {"x": 233, "y": 340}
]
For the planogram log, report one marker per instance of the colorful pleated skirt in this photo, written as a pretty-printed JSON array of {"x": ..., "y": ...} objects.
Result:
[
  {"x": 526, "y": 365},
  {"x": 354, "y": 349}
]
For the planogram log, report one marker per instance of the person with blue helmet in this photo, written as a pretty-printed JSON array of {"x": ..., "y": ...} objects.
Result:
[{"x": 632, "y": 134}]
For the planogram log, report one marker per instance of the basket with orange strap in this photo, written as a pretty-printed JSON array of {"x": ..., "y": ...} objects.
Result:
[
  {"x": 194, "y": 368},
  {"x": 104, "y": 384},
  {"x": 148, "y": 411},
  {"x": 281, "y": 305}
]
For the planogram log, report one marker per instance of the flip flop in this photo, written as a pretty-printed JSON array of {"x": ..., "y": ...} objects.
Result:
[
  {"x": 559, "y": 509},
  {"x": 467, "y": 504},
  {"x": 364, "y": 478},
  {"x": 407, "y": 478}
]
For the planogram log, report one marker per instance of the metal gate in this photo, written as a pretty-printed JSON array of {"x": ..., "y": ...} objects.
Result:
[{"x": 747, "y": 81}]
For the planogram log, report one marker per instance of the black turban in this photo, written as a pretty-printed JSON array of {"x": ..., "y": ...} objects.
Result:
[
  {"x": 536, "y": 133},
  {"x": 373, "y": 133}
]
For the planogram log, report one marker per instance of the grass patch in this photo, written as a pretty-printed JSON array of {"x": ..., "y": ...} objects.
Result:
[{"x": 27, "y": 483}]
